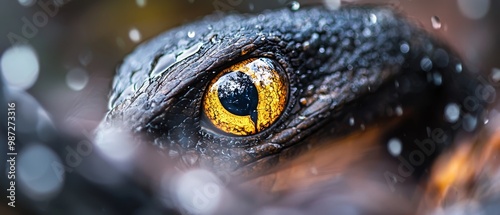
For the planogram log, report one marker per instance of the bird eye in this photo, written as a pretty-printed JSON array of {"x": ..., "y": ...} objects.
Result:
[{"x": 247, "y": 97}]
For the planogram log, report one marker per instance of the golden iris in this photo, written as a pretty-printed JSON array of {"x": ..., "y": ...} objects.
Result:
[{"x": 247, "y": 97}]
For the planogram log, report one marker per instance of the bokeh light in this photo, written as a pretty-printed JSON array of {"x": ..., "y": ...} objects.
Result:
[
  {"x": 135, "y": 35},
  {"x": 77, "y": 79},
  {"x": 197, "y": 191},
  {"x": 36, "y": 173},
  {"x": 475, "y": 9},
  {"x": 26, "y": 3},
  {"x": 20, "y": 67}
]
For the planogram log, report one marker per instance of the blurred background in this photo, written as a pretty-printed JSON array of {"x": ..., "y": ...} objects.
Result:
[
  {"x": 67, "y": 50},
  {"x": 77, "y": 46}
]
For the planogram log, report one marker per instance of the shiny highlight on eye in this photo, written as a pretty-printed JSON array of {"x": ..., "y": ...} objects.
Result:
[{"x": 247, "y": 97}]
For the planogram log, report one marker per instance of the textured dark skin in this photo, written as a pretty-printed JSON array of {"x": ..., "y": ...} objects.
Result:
[{"x": 340, "y": 64}]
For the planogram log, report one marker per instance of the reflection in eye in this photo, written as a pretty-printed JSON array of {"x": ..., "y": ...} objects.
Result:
[{"x": 247, "y": 97}]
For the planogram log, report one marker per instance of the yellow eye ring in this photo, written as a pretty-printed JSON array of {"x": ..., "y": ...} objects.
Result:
[{"x": 247, "y": 97}]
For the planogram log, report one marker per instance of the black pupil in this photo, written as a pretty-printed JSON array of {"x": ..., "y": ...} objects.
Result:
[{"x": 238, "y": 94}]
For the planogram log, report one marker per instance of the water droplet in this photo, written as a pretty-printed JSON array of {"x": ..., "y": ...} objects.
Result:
[
  {"x": 77, "y": 79},
  {"x": 396, "y": 84},
  {"x": 19, "y": 66},
  {"x": 321, "y": 50},
  {"x": 310, "y": 88},
  {"x": 404, "y": 48},
  {"x": 373, "y": 18},
  {"x": 474, "y": 9},
  {"x": 294, "y": 6},
  {"x": 398, "y": 110},
  {"x": 191, "y": 34},
  {"x": 261, "y": 17},
  {"x": 426, "y": 64},
  {"x": 164, "y": 62},
  {"x": 367, "y": 32},
  {"x": 188, "y": 52},
  {"x": 303, "y": 101},
  {"x": 214, "y": 39},
  {"x": 451, "y": 112},
  {"x": 469, "y": 122},
  {"x": 141, "y": 3},
  {"x": 486, "y": 121},
  {"x": 134, "y": 35},
  {"x": 394, "y": 146},
  {"x": 458, "y": 67},
  {"x": 495, "y": 75},
  {"x": 26, "y": 3},
  {"x": 350, "y": 67},
  {"x": 306, "y": 45},
  {"x": 332, "y": 4},
  {"x": 351, "y": 121},
  {"x": 436, "y": 22},
  {"x": 436, "y": 77}
]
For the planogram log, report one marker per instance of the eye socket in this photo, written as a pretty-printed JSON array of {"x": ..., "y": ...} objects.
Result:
[{"x": 247, "y": 97}]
